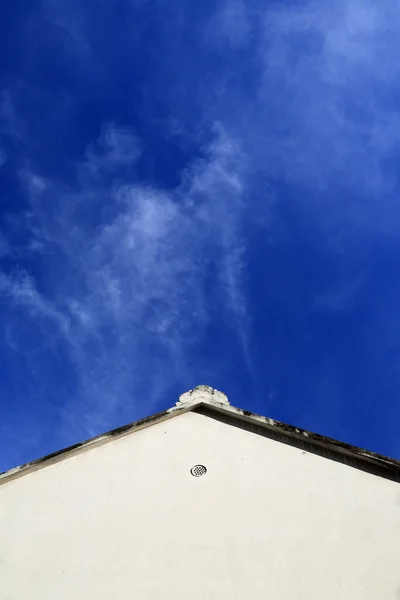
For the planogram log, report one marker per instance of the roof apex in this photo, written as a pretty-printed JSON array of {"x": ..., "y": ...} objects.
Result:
[
  {"x": 202, "y": 394},
  {"x": 208, "y": 401}
]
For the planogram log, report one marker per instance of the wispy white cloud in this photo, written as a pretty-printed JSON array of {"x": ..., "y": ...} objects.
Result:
[
  {"x": 127, "y": 267},
  {"x": 116, "y": 147},
  {"x": 322, "y": 110},
  {"x": 320, "y": 121},
  {"x": 321, "y": 117},
  {"x": 300, "y": 94},
  {"x": 231, "y": 23},
  {"x": 37, "y": 322}
]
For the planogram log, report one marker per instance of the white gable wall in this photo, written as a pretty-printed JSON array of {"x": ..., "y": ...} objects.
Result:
[{"x": 127, "y": 521}]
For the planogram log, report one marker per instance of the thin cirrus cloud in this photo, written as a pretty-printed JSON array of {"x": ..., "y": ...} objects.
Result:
[
  {"x": 324, "y": 94},
  {"x": 130, "y": 297},
  {"x": 161, "y": 173}
]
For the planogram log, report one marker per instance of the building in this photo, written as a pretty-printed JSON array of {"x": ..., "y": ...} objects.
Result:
[{"x": 202, "y": 501}]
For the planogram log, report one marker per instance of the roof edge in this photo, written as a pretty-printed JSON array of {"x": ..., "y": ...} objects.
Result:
[
  {"x": 94, "y": 442},
  {"x": 313, "y": 439},
  {"x": 213, "y": 404}
]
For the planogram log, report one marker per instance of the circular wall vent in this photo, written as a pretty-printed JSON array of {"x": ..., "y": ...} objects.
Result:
[{"x": 198, "y": 470}]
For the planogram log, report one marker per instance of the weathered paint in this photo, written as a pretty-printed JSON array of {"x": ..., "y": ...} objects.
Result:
[{"x": 125, "y": 519}]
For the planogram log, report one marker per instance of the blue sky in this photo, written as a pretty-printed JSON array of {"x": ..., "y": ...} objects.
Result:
[{"x": 198, "y": 192}]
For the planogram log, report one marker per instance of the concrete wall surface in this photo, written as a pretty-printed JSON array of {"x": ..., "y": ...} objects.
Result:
[{"x": 127, "y": 520}]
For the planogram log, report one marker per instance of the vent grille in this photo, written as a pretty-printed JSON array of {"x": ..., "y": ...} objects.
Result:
[{"x": 198, "y": 470}]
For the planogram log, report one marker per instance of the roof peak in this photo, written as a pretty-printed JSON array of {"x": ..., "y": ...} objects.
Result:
[
  {"x": 219, "y": 405},
  {"x": 202, "y": 393}
]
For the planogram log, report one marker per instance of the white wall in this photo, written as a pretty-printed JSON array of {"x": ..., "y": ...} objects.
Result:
[{"x": 127, "y": 521}]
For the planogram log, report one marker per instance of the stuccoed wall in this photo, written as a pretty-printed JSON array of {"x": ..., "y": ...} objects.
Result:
[{"x": 127, "y": 520}]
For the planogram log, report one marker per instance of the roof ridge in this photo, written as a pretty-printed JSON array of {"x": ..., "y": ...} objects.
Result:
[{"x": 207, "y": 399}]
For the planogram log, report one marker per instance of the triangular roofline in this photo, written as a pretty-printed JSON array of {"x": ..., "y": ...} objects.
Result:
[{"x": 209, "y": 402}]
